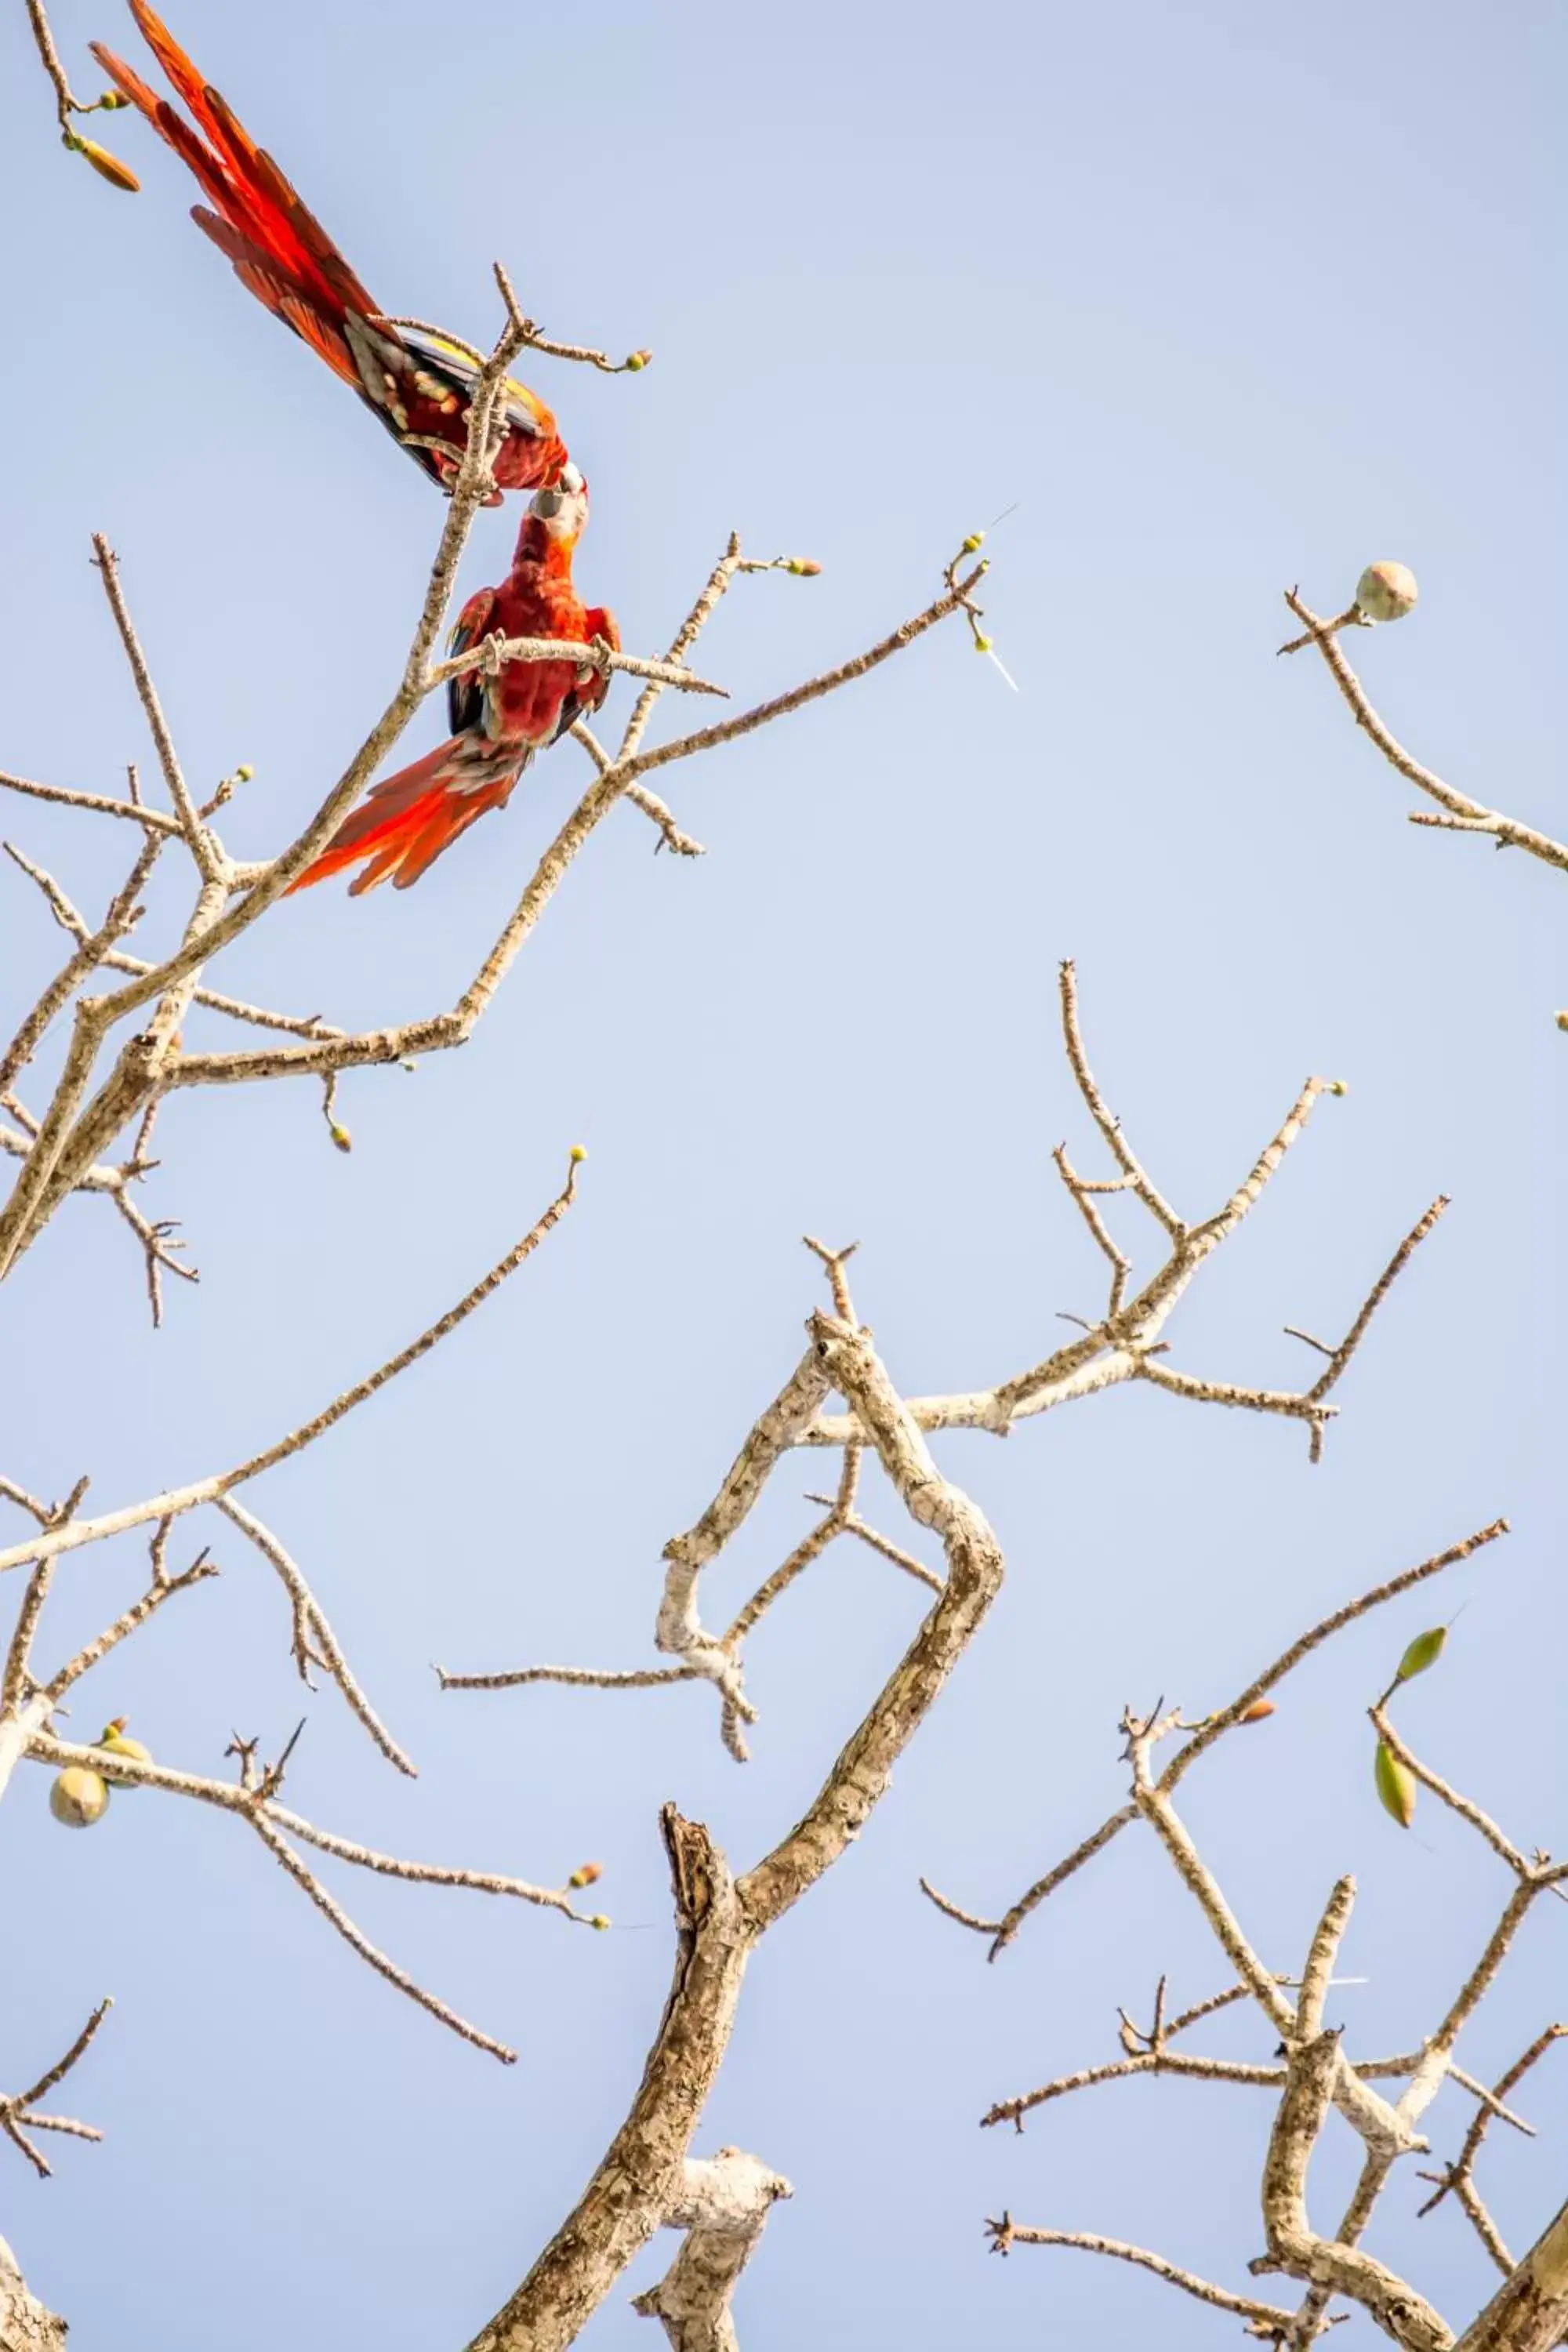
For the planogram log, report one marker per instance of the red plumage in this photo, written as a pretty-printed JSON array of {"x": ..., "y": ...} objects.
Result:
[
  {"x": 499, "y": 723},
  {"x": 420, "y": 388}
]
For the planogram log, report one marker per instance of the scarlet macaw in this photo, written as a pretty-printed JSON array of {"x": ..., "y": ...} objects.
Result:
[
  {"x": 419, "y": 384},
  {"x": 497, "y": 723}
]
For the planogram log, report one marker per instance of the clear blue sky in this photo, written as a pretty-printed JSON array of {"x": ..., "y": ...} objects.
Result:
[{"x": 1223, "y": 299}]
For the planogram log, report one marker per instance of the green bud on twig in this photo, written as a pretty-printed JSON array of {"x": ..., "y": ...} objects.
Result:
[{"x": 1423, "y": 1650}]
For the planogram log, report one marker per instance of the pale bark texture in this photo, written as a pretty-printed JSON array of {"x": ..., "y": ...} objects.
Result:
[{"x": 24, "y": 2324}]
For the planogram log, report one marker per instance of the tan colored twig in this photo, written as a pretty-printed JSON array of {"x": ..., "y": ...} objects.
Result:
[
  {"x": 129, "y": 1621},
  {"x": 114, "y": 960},
  {"x": 18, "y": 2116},
  {"x": 1456, "y": 811},
  {"x": 314, "y": 1643},
  {"x": 209, "y": 860},
  {"x": 1127, "y": 1343},
  {"x": 1458, "y": 2176},
  {"x": 1110, "y": 1126},
  {"x": 1464, "y": 1806},
  {"x": 495, "y": 651},
  {"x": 1462, "y": 813},
  {"x": 150, "y": 819},
  {"x": 585, "y": 1677},
  {"x": 253, "y": 1800},
  {"x": 1160, "y": 2060},
  {"x": 177, "y": 1500},
  {"x": 93, "y": 949},
  {"x": 1006, "y": 2233},
  {"x": 533, "y": 339},
  {"x": 67, "y": 103},
  {"x": 1226, "y": 1719},
  {"x": 358, "y": 1941}
]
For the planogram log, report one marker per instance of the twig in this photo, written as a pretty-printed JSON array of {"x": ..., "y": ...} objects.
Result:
[
  {"x": 178, "y": 1500},
  {"x": 1006, "y": 2233},
  {"x": 19, "y": 2117}
]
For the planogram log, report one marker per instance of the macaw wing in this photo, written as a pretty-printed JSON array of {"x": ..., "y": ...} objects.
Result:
[
  {"x": 521, "y": 411},
  {"x": 465, "y": 693}
]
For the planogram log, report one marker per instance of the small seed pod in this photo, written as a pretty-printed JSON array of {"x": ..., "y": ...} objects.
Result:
[
  {"x": 78, "y": 1798},
  {"x": 598, "y": 1920},
  {"x": 804, "y": 567},
  {"x": 636, "y": 362},
  {"x": 590, "y": 1871},
  {"x": 1395, "y": 1785},
  {"x": 109, "y": 167},
  {"x": 1257, "y": 1711},
  {"x": 1386, "y": 591},
  {"x": 1423, "y": 1650}
]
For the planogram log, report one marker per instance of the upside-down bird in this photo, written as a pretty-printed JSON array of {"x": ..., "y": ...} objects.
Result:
[
  {"x": 419, "y": 384},
  {"x": 499, "y": 721}
]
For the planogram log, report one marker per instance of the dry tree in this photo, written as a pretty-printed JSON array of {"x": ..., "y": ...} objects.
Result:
[
  {"x": 90, "y": 1129},
  {"x": 1302, "y": 2057}
]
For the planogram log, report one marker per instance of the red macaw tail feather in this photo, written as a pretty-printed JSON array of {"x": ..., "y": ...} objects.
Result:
[
  {"x": 256, "y": 271},
  {"x": 207, "y": 167},
  {"x": 178, "y": 67},
  {"x": 248, "y": 190},
  {"x": 403, "y": 825}
]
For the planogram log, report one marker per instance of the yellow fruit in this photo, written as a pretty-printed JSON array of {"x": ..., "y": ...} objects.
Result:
[
  {"x": 109, "y": 167},
  {"x": 78, "y": 1798},
  {"x": 1395, "y": 1785},
  {"x": 1386, "y": 591}
]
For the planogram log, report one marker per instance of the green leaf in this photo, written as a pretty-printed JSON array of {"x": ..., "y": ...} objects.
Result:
[
  {"x": 1423, "y": 1650},
  {"x": 1395, "y": 1785}
]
